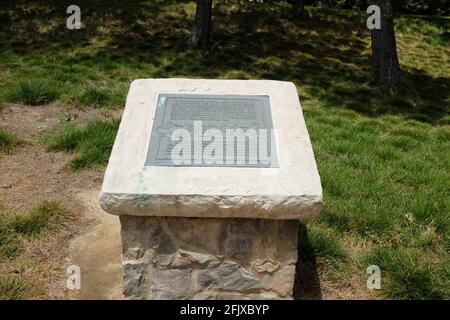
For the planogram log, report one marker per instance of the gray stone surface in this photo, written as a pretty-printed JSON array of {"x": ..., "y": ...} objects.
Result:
[{"x": 204, "y": 258}]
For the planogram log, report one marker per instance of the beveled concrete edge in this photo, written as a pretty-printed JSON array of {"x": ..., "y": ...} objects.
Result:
[{"x": 304, "y": 207}]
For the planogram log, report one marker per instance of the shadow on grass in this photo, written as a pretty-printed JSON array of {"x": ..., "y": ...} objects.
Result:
[
  {"x": 326, "y": 53},
  {"x": 32, "y": 24},
  {"x": 307, "y": 283}
]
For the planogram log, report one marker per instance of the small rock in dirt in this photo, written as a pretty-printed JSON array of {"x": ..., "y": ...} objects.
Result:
[{"x": 6, "y": 186}]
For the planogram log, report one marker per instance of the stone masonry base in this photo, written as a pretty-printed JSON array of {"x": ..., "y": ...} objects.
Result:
[{"x": 208, "y": 258}]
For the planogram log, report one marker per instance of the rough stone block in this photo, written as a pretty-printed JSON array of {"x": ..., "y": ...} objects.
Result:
[{"x": 214, "y": 259}]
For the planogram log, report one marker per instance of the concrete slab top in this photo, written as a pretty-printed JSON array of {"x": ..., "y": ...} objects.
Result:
[{"x": 290, "y": 190}]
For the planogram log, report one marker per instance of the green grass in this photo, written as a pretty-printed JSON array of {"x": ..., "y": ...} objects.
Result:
[
  {"x": 93, "y": 97},
  {"x": 17, "y": 232},
  {"x": 33, "y": 93},
  {"x": 17, "y": 229},
  {"x": 327, "y": 53},
  {"x": 91, "y": 143},
  {"x": 409, "y": 275},
  {"x": 13, "y": 287},
  {"x": 385, "y": 182},
  {"x": 8, "y": 141},
  {"x": 325, "y": 243},
  {"x": 383, "y": 155}
]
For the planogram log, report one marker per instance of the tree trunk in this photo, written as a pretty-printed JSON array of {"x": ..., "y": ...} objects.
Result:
[
  {"x": 384, "y": 48},
  {"x": 398, "y": 6},
  {"x": 325, "y": 4},
  {"x": 432, "y": 7},
  {"x": 202, "y": 24},
  {"x": 298, "y": 8}
]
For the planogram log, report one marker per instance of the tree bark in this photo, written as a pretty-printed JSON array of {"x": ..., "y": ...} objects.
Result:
[
  {"x": 202, "y": 24},
  {"x": 398, "y": 6},
  {"x": 325, "y": 4},
  {"x": 384, "y": 48},
  {"x": 432, "y": 9},
  {"x": 298, "y": 8}
]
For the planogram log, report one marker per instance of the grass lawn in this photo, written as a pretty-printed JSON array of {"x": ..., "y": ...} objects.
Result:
[
  {"x": 383, "y": 155},
  {"x": 17, "y": 232},
  {"x": 8, "y": 141},
  {"x": 91, "y": 143}
]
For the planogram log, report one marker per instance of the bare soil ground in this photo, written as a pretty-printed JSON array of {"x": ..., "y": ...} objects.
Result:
[
  {"x": 30, "y": 174},
  {"x": 91, "y": 241}
]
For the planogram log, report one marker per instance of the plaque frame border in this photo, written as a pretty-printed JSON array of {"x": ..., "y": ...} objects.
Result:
[{"x": 153, "y": 146}]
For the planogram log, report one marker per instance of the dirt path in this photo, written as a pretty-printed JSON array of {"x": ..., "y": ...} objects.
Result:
[
  {"x": 32, "y": 174},
  {"x": 98, "y": 253}
]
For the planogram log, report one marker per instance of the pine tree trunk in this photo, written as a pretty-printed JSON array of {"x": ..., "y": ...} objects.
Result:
[
  {"x": 432, "y": 9},
  {"x": 298, "y": 8},
  {"x": 384, "y": 48},
  {"x": 325, "y": 4},
  {"x": 398, "y": 5},
  {"x": 202, "y": 25}
]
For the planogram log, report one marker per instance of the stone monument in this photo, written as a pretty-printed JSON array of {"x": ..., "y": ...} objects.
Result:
[{"x": 210, "y": 179}]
